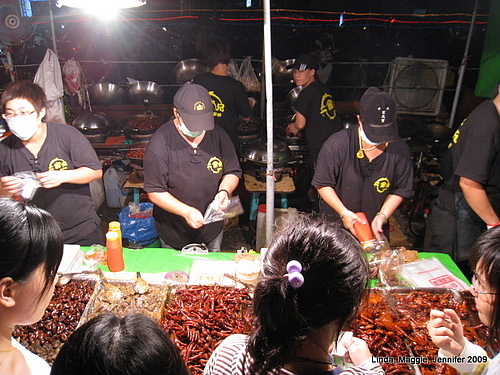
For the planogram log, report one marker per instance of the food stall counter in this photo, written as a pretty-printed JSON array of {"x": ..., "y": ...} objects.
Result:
[{"x": 153, "y": 260}]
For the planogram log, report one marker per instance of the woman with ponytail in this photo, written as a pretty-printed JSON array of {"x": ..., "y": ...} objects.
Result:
[{"x": 314, "y": 278}]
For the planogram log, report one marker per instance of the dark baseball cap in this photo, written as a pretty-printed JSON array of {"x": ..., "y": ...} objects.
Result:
[
  {"x": 193, "y": 103},
  {"x": 304, "y": 62},
  {"x": 378, "y": 113}
]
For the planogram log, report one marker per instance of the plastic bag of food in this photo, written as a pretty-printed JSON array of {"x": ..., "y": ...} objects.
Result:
[
  {"x": 215, "y": 213},
  {"x": 138, "y": 228},
  {"x": 30, "y": 184},
  {"x": 247, "y": 75}
]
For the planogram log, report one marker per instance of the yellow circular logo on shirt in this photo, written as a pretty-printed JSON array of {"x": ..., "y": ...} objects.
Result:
[
  {"x": 327, "y": 107},
  {"x": 214, "y": 165},
  {"x": 382, "y": 184},
  {"x": 58, "y": 164}
]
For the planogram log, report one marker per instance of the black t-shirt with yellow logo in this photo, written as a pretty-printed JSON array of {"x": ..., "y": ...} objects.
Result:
[
  {"x": 64, "y": 148},
  {"x": 190, "y": 175},
  {"x": 360, "y": 184},
  {"x": 316, "y": 104},
  {"x": 230, "y": 101}
]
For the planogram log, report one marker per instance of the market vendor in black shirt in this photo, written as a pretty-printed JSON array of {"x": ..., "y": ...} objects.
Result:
[
  {"x": 469, "y": 199},
  {"x": 315, "y": 111},
  {"x": 365, "y": 168},
  {"x": 228, "y": 95},
  {"x": 60, "y": 157},
  {"x": 188, "y": 164}
]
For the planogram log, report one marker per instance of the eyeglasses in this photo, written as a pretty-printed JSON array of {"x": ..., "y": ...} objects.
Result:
[
  {"x": 22, "y": 114},
  {"x": 475, "y": 280}
]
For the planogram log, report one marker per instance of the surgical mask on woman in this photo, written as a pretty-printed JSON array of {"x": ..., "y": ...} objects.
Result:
[
  {"x": 365, "y": 138},
  {"x": 187, "y": 132},
  {"x": 23, "y": 127}
]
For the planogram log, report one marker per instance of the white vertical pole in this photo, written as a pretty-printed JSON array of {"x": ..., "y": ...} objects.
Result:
[{"x": 269, "y": 123}]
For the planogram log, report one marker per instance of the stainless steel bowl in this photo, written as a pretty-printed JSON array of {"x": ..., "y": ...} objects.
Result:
[
  {"x": 291, "y": 97},
  {"x": 282, "y": 71},
  {"x": 187, "y": 69},
  {"x": 91, "y": 123},
  {"x": 256, "y": 152},
  {"x": 145, "y": 92},
  {"x": 107, "y": 94}
]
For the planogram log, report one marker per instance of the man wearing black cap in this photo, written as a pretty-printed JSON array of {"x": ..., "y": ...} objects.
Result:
[
  {"x": 365, "y": 168},
  {"x": 315, "y": 111},
  {"x": 188, "y": 164}
]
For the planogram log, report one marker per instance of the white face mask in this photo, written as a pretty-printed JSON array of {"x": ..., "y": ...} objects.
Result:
[
  {"x": 365, "y": 138},
  {"x": 23, "y": 127},
  {"x": 187, "y": 132}
]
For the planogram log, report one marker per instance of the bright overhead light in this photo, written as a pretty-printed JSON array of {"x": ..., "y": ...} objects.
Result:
[{"x": 100, "y": 4}]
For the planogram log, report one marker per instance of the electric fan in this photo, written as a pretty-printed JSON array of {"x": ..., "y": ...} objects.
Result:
[{"x": 417, "y": 85}]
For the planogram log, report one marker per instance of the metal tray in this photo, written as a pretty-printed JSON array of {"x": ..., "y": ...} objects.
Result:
[
  {"x": 418, "y": 314},
  {"x": 150, "y": 303}
]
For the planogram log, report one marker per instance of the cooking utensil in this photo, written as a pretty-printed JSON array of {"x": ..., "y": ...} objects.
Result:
[
  {"x": 282, "y": 70},
  {"x": 235, "y": 279},
  {"x": 91, "y": 123},
  {"x": 435, "y": 133},
  {"x": 256, "y": 152},
  {"x": 186, "y": 70},
  {"x": 145, "y": 92},
  {"x": 107, "y": 94},
  {"x": 112, "y": 293},
  {"x": 140, "y": 286},
  {"x": 291, "y": 97},
  {"x": 144, "y": 124}
]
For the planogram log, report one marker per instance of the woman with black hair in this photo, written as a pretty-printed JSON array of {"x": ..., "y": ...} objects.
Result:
[
  {"x": 313, "y": 281},
  {"x": 112, "y": 345},
  {"x": 31, "y": 249},
  {"x": 445, "y": 328}
]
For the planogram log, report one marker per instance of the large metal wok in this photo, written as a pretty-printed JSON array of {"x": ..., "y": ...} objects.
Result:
[
  {"x": 187, "y": 69},
  {"x": 435, "y": 133},
  {"x": 282, "y": 72},
  {"x": 291, "y": 97},
  {"x": 256, "y": 152},
  {"x": 145, "y": 92},
  {"x": 91, "y": 123},
  {"x": 106, "y": 93},
  {"x": 143, "y": 124}
]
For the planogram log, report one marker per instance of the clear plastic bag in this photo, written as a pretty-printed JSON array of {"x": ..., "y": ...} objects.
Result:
[
  {"x": 215, "y": 213},
  {"x": 248, "y": 77},
  {"x": 30, "y": 184}
]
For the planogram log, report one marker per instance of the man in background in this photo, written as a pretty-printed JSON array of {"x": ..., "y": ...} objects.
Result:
[
  {"x": 469, "y": 198},
  {"x": 228, "y": 95}
]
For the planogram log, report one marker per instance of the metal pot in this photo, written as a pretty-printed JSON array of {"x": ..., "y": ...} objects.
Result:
[
  {"x": 256, "y": 152},
  {"x": 145, "y": 92},
  {"x": 106, "y": 93},
  {"x": 291, "y": 97},
  {"x": 252, "y": 127},
  {"x": 144, "y": 124},
  {"x": 282, "y": 72},
  {"x": 91, "y": 123},
  {"x": 187, "y": 69},
  {"x": 435, "y": 133}
]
